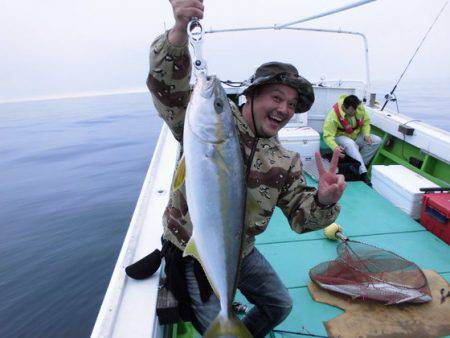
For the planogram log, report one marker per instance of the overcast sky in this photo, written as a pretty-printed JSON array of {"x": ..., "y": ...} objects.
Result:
[{"x": 62, "y": 47}]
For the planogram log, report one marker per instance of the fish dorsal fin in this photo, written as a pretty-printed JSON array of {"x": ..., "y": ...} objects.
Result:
[{"x": 180, "y": 174}]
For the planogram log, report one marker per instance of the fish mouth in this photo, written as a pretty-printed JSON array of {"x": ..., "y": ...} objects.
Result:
[
  {"x": 208, "y": 126},
  {"x": 209, "y": 85}
]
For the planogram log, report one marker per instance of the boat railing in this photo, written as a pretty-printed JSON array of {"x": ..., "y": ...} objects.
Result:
[{"x": 277, "y": 27}]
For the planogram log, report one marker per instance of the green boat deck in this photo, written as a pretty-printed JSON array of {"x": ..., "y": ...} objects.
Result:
[{"x": 366, "y": 217}]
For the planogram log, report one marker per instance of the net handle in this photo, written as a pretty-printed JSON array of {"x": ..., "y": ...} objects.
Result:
[{"x": 341, "y": 236}]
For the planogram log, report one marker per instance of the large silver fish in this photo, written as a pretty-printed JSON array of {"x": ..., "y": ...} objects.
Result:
[{"x": 215, "y": 192}]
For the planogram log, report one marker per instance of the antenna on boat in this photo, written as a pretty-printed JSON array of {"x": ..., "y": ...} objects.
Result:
[{"x": 389, "y": 96}]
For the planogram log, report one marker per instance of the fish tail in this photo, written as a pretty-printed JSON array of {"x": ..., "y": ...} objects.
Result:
[{"x": 227, "y": 327}]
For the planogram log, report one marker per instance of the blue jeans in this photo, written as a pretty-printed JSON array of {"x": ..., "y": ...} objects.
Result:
[{"x": 262, "y": 287}]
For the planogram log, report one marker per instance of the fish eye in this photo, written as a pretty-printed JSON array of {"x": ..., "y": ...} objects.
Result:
[{"x": 218, "y": 105}]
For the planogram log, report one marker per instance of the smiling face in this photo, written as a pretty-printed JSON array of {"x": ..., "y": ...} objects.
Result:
[{"x": 274, "y": 106}]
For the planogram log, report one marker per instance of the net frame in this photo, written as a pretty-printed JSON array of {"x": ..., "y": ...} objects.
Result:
[{"x": 358, "y": 272}]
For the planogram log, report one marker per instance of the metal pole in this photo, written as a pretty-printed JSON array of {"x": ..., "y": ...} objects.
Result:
[
  {"x": 281, "y": 26},
  {"x": 366, "y": 47},
  {"x": 337, "y": 10},
  {"x": 323, "y": 30},
  {"x": 240, "y": 29},
  {"x": 369, "y": 84}
]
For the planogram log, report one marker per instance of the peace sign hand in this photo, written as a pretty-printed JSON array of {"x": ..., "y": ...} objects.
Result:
[{"x": 331, "y": 186}]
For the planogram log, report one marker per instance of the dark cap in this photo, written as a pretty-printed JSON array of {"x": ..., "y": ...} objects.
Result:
[{"x": 283, "y": 73}]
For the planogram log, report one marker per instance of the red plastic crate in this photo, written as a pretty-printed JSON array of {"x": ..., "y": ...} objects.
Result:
[{"x": 436, "y": 214}]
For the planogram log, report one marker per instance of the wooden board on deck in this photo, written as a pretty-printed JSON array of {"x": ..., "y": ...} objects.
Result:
[{"x": 371, "y": 319}]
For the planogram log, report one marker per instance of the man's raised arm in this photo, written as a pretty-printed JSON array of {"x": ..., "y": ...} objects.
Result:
[{"x": 170, "y": 67}]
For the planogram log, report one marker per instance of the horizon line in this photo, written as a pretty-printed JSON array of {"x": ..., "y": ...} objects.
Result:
[
  {"x": 74, "y": 95},
  {"x": 137, "y": 90}
]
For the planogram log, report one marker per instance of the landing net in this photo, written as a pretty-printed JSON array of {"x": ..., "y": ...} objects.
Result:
[{"x": 366, "y": 272}]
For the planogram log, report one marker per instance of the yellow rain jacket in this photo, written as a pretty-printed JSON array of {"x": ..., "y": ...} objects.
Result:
[{"x": 332, "y": 127}]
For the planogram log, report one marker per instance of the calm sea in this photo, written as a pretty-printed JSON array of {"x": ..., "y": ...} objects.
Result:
[{"x": 70, "y": 175}]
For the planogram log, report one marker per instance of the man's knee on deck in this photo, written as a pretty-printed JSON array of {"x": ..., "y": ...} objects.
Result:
[{"x": 282, "y": 309}]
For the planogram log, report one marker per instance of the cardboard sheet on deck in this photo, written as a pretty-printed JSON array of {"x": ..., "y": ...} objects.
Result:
[{"x": 371, "y": 319}]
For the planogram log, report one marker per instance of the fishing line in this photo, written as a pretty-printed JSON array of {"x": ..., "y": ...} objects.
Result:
[
  {"x": 255, "y": 141},
  {"x": 388, "y": 97},
  {"x": 300, "y": 333}
]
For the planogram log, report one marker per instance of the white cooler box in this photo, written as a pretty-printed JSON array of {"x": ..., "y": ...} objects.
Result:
[
  {"x": 304, "y": 140},
  {"x": 400, "y": 186}
]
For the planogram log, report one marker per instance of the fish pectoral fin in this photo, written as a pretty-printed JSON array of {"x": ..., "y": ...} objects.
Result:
[
  {"x": 220, "y": 161},
  {"x": 180, "y": 174}
]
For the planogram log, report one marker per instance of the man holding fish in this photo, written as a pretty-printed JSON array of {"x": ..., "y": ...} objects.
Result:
[{"x": 270, "y": 177}]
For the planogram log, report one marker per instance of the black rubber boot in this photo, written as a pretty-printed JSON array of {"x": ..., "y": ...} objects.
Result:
[{"x": 145, "y": 267}]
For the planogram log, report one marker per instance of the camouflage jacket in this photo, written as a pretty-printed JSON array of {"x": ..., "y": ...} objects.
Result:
[{"x": 275, "y": 178}]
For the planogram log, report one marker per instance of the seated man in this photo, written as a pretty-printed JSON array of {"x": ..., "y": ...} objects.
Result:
[{"x": 347, "y": 129}]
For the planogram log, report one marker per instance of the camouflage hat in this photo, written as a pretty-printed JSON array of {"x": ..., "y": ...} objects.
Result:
[{"x": 284, "y": 73}]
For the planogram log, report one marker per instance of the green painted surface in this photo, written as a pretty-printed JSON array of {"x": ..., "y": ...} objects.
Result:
[
  {"x": 184, "y": 330},
  {"x": 367, "y": 217},
  {"x": 397, "y": 151},
  {"x": 293, "y": 260},
  {"x": 360, "y": 204},
  {"x": 307, "y": 315}
]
